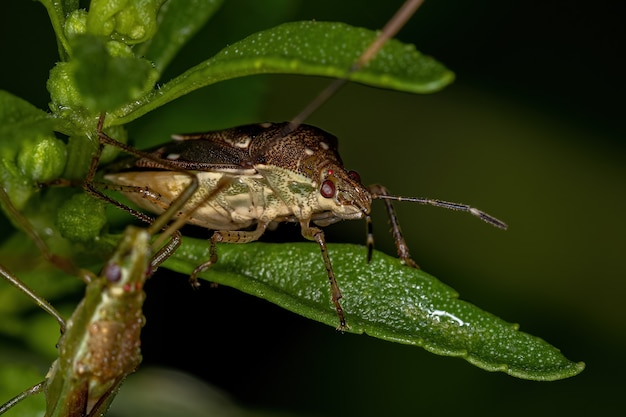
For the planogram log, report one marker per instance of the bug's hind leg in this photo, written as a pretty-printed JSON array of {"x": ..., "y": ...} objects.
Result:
[{"x": 227, "y": 236}]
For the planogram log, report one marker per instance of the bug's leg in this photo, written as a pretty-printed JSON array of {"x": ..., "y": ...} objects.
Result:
[
  {"x": 46, "y": 306},
  {"x": 193, "y": 278},
  {"x": 91, "y": 187},
  {"x": 316, "y": 234},
  {"x": 227, "y": 236},
  {"x": 170, "y": 208},
  {"x": 403, "y": 249},
  {"x": 155, "y": 198},
  {"x": 370, "y": 238},
  {"x": 34, "y": 390},
  {"x": 145, "y": 192},
  {"x": 60, "y": 262},
  {"x": 166, "y": 251}
]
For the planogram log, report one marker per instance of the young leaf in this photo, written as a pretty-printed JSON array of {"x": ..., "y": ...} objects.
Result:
[
  {"x": 17, "y": 115},
  {"x": 384, "y": 299},
  {"x": 106, "y": 81},
  {"x": 23, "y": 127},
  {"x": 178, "y": 21},
  {"x": 308, "y": 48}
]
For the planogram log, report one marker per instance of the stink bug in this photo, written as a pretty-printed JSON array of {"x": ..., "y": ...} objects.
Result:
[
  {"x": 273, "y": 174},
  {"x": 268, "y": 173}
]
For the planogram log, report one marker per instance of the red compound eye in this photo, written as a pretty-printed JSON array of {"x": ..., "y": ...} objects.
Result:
[
  {"x": 327, "y": 190},
  {"x": 354, "y": 176}
]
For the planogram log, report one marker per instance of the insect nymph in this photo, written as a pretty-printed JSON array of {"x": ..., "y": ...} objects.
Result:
[
  {"x": 100, "y": 342},
  {"x": 274, "y": 174}
]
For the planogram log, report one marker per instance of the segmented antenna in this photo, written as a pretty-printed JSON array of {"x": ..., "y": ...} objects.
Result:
[{"x": 448, "y": 205}]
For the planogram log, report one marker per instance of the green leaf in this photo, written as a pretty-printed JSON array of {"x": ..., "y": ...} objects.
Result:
[
  {"x": 17, "y": 115},
  {"x": 108, "y": 78},
  {"x": 383, "y": 299},
  {"x": 22, "y": 125},
  {"x": 308, "y": 48},
  {"x": 178, "y": 21}
]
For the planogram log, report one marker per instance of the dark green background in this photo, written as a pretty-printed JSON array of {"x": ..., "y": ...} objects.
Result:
[{"x": 531, "y": 131}]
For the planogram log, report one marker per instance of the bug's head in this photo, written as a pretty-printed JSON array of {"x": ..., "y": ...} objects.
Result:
[
  {"x": 125, "y": 272},
  {"x": 341, "y": 193},
  {"x": 313, "y": 153}
]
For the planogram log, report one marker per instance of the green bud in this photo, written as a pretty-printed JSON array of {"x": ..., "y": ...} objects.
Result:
[
  {"x": 42, "y": 159},
  {"x": 129, "y": 21},
  {"x": 63, "y": 92},
  {"x": 81, "y": 218},
  {"x": 76, "y": 23},
  {"x": 119, "y": 49}
]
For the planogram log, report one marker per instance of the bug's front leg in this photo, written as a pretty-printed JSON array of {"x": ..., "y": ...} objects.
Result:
[
  {"x": 403, "y": 249},
  {"x": 316, "y": 234},
  {"x": 228, "y": 236}
]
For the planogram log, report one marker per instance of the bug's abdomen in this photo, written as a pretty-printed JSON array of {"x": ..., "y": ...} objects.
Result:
[{"x": 244, "y": 202}]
